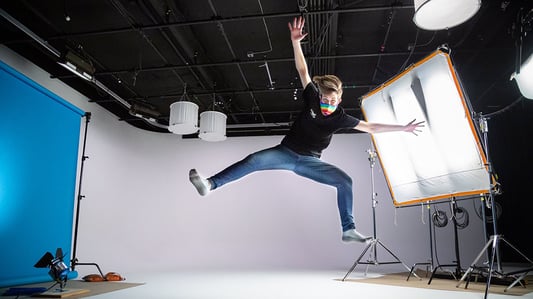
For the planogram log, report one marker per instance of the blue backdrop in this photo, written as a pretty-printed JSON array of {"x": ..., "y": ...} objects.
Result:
[{"x": 39, "y": 140}]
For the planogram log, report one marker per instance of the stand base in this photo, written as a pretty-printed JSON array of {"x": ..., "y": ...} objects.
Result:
[
  {"x": 373, "y": 261},
  {"x": 76, "y": 263},
  {"x": 458, "y": 272},
  {"x": 489, "y": 272}
]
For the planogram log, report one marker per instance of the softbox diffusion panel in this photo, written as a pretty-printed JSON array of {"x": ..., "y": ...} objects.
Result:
[{"x": 446, "y": 159}]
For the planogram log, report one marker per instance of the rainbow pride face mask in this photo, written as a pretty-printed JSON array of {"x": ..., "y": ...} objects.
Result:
[{"x": 327, "y": 109}]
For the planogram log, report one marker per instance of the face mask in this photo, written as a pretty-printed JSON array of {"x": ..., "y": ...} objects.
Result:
[{"x": 327, "y": 109}]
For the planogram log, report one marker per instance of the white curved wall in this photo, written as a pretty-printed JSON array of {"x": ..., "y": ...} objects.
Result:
[{"x": 140, "y": 212}]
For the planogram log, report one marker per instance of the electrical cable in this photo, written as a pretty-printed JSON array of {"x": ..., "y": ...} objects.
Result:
[
  {"x": 439, "y": 218},
  {"x": 411, "y": 52},
  {"x": 252, "y": 53},
  {"x": 392, "y": 14},
  {"x": 505, "y": 108},
  {"x": 488, "y": 217},
  {"x": 462, "y": 219}
]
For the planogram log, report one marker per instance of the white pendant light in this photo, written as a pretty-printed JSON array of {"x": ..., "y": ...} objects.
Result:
[
  {"x": 443, "y": 14},
  {"x": 183, "y": 118},
  {"x": 212, "y": 126}
]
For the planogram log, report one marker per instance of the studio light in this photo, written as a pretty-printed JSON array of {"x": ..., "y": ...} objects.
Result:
[
  {"x": 58, "y": 270},
  {"x": 183, "y": 118},
  {"x": 77, "y": 65},
  {"x": 212, "y": 126},
  {"x": 444, "y": 14},
  {"x": 213, "y": 123},
  {"x": 524, "y": 78},
  {"x": 143, "y": 111},
  {"x": 446, "y": 159},
  {"x": 524, "y": 71}
]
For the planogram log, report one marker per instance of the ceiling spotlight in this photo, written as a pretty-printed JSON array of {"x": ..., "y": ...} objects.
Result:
[
  {"x": 143, "y": 111},
  {"x": 58, "y": 270},
  {"x": 77, "y": 65},
  {"x": 444, "y": 14}
]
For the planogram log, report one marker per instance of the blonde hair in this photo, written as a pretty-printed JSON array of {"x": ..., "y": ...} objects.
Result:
[{"x": 328, "y": 83}]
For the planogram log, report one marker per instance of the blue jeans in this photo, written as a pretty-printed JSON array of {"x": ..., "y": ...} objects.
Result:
[{"x": 281, "y": 157}]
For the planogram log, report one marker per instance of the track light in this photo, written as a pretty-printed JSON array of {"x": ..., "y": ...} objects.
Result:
[
  {"x": 143, "y": 111},
  {"x": 77, "y": 65}
]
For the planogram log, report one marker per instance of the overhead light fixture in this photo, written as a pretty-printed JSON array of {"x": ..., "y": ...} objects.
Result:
[
  {"x": 213, "y": 123},
  {"x": 524, "y": 71},
  {"x": 212, "y": 126},
  {"x": 524, "y": 78},
  {"x": 183, "y": 116},
  {"x": 444, "y": 14},
  {"x": 77, "y": 65},
  {"x": 145, "y": 112}
]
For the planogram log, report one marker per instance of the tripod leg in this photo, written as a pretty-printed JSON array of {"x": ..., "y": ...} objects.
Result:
[
  {"x": 472, "y": 266},
  {"x": 517, "y": 280},
  {"x": 491, "y": 267},
  {"x": 357, "y": 261},
  {"x": 397, "y": 259}
]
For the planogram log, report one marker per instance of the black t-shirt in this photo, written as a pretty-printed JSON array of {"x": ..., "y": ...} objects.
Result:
[{"x": 311, "y": 132}]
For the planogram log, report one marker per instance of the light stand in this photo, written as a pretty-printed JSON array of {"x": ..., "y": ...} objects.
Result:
[
  {"x": 494, "y": 240},
  {"x": 457, "y": 264},
  {"x": 74, "y": 262},
  {"x": 373, "y": 244},
  {"x": 430, "y": 263}
]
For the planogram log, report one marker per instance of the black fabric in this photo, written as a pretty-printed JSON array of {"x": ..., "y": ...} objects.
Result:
[{"x": 311, "y": 132}]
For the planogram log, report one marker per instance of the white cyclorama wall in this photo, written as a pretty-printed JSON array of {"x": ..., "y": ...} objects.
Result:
[{"x": 140, "y": 213}]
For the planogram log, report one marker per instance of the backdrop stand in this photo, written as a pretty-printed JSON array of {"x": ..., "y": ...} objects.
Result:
[
  {"x": 493, "y": 245},
  {"x": 74, "y": 262},
  {"x": 373, "y": 244}
]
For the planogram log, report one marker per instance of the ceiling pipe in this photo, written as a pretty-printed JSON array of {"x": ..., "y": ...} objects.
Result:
[{"x": 30, "y": 33}]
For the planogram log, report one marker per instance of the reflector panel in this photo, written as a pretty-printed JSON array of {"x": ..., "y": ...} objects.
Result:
[{"x": 446, "y": 159}]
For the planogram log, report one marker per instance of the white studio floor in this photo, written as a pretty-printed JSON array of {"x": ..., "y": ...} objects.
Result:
[{"x": 275, "y": 284}]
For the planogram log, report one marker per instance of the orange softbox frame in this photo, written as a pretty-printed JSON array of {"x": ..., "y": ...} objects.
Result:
[{"x": 446, "y": 160}]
